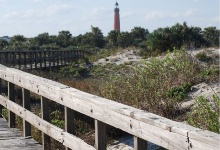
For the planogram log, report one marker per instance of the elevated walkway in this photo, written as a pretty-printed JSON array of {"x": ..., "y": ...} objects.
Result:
[{"x": 11, "y": 138}]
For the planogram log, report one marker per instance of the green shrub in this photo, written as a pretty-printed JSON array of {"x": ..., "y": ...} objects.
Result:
[
  {"x": 57, "y": 122},
  {"x": 5, "y": 113},
  {"x": 149, "y": 86},
  {"x": 56, "y": 118},
  {"x": 202, "y": 56},
  {"x": 205, "y": 115},
  {"x": 178, "y": 92}
]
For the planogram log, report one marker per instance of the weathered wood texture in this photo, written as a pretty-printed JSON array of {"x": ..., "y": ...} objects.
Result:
[
  {"x": 69, "y": 121},
  {"x": 39, "y": 59},
  {"x": 45, "y": 116},
  {"x": 100, "y": 135},
  {"x": 11, "y": 97},
  {"x": 0, "y": 94},
  {"x": 139, "y": 144},
  {"x": 11, "y": 139},
  {"x": 26, "y": 105},
  {"x": 58, "y": 134},
  {"x": 144, "y": 125}
]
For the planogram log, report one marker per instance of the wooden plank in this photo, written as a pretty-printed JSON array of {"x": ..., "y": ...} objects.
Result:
[
  {"x": 11, "y": 139},
  {"x": 3, "y": 123},
  {"x": 14, "y": 59},
  {"x": 11, "y": 96},
  {"x": 40, "y": 58},
  {"x": 100, "y": 135},
  {"x": 1, "y": 107},
  {"x": 54, "y": 57},
  {"x": 45, "y": 116},
  {"x": 26, "y": 105},
  {"x": 198, "y": 145},
  {"x": 44, "y": 126},
  {"x": 69, "y": 121},
  {"x": 19, "y": 60},
  {"x": 49, "y": 58},
  {"x": 205, "y": 136},
  {"x": 35, "y": 59},
  {"x": 45, "y": 59},
  {"x": 25, "y": 60},
  {"x": 19, "y": 143},
  {"x": 139, "y": 144}
]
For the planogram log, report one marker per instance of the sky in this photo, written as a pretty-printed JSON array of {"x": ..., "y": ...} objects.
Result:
[{"x": 33, "y": 17}]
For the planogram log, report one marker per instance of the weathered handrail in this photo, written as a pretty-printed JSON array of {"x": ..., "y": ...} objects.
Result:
[
  {"x": 143, "y": 125},
  {"x": 39, "y": 58}
]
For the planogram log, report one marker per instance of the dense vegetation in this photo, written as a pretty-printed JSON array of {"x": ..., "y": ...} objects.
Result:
[{"x": 161, "y": 39}]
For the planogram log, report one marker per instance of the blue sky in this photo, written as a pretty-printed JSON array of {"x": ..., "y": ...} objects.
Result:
[{"x": 32, "y": 17}]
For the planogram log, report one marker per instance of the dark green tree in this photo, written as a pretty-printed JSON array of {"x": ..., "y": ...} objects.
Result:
[
  {"x": 63, "y": 39},
  {"x": 124, "y": 39},
  {"x": 138, "y": 35},
  {"x": 3, "y": 44},
  {"x": 42, "y": 39},
  {"x": 112, "y": 37},
  {"x": 211, "y": 34}
]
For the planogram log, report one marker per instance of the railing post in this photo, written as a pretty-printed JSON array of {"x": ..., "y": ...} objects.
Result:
[
  {"x": 25, "y": 60},
  {"x": 6, "y": 58},
  {"x": 69, "y": 121},
  {"x": 35, "y": 59},
  {"x": 0, "y": 94},
  {"x": 58, "y": 58},
  {"x": 54, "y": 58},
  {"x": 45, "y": 116},
  {"x": 100, "y": 135},
  {"x": 30, "y": 58},
  {"x": 48, "y": 58},
  {"x": 26, "y": 105},
  {"x": 45, "y": 59},
  {"x": 139, "y": 144},
  {"x": 64, "y": 59},
  {"x": 11, "y": 96},
  {"x": 13, "y": 59},
  {"x": 19, "y": 60},
  {"x": 61, "y": 57},
  {"x": 40, "y": 60}
]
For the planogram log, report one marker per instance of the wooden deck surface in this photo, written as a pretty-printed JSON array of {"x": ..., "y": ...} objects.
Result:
[{"x": 11, "y": 138}]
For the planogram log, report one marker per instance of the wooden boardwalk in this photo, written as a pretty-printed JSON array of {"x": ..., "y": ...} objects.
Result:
[
  {"x": 11, "y": 138},
  {"x": 144, "y": 126},
  {"x": 40, "y": 58}
]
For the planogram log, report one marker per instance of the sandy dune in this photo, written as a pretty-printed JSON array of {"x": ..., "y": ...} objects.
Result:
[{"x": 202, "y": 89}]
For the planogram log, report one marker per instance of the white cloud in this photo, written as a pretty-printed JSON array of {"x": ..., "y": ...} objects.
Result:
[
  {"x": 210, "y": 20},
  {"x": 47, "y": 12},
  {"x": 96, "y": 13},
  {"x": 126, "y": 14},
  {"x": 216, "y": 19},
  {"x": 34, "y": 1},
  {"x": 196, "y": 0},
  {"x": 155, "y": 15}
]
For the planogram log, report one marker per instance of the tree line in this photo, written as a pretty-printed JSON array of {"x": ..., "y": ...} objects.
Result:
[{"x": 161, "y": 39}]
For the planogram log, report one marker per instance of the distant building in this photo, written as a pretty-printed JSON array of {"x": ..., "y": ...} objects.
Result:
[
  {"x": 6, "y": 38},
  {"x": 116, "y": 17}
]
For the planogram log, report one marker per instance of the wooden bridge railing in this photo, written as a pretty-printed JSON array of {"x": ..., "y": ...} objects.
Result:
[
  {"x": 39, "y": 58},
  {"x": 144, "y": 126}
]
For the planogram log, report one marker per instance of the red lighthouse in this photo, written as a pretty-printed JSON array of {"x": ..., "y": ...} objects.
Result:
[{"x": 116, "y": 17}]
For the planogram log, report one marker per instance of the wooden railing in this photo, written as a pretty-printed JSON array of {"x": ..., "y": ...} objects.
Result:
[
  {"x": 144, "y": 126},
  {"x": 39, "y": 58}
]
